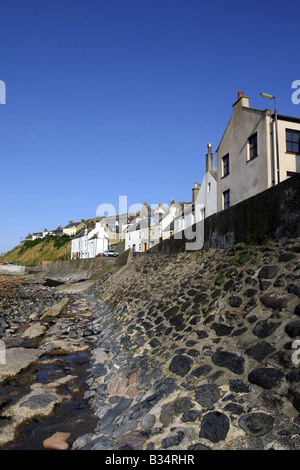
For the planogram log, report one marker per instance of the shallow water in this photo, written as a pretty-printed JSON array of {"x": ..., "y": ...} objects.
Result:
[{"x": 72, "y": 415}]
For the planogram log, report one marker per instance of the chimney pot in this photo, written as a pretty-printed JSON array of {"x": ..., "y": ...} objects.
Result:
[{"x": 240, "y": 94}]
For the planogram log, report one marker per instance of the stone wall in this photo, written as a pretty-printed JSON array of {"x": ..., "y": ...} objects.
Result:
[
  {"x": 73, "y": 269},
  {"x": 196, "y": 351},
  {"x": 273, "y": 214}
]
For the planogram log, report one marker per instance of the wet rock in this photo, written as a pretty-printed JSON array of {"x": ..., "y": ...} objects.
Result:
[
  {"x": 82, "y": 441},
  {"x": 294, "y": 397},
  {"x": 271, "y": 402},
  {"x": 229, "y": 360},
  {"x": 202, "y": 334},
  {"x": 221, "y": 329},
  {"x": 18, "y": 359},
  {"x": 100, "y": 443},
  {"x": 238, "y": 386},
  {"x": 293, "y": 329},
  {"x": 214, "y": 426},
  {"x": 112, "y": 414},
  {"x": 172, "y": 440},
  {"x": 198, "y": 447},
  {"x": 39, "y": 401},
  {"x": 297, "y": 310},
  {"x": 190, "y": 416},
  {"x": 249, "y": 293},
  {"x": 202, "y": 370},
  {"x": 266, "y": 377},
  {"x": 260, "y": 350},
  {"x": 143, "y": 407},
  {"x": 268, "y": 272},
  {"x": 174, "y": 408},
  {"x": 265, "y": 328},
  {"x": 286, "y": 257},
  {"x": 294, "y": 289},
  {"x": 148, "y": 421},
  {"x": 235, "y": 301},
  {"x": 130, "y": 441},
  {"x": 275, "y": 301},
  {"x": 234, "y": 408},
  {"x": 256, "y": 424},
  {"x": 34, "y": 331},
  {"x": 180, "y": 365},
  {"x": 206, "y": 395}
]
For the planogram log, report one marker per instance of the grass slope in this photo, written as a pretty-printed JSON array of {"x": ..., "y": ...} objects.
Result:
[{"x": 50, "y": 248}]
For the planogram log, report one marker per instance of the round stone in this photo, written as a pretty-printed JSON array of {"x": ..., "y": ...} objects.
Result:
[
  {"x": 148, "y": 421},
  {"x": 265, "y": 377},
  {"x": 256, "y": 424},
  {"x": 206, "y": 395},
  {"x": 180, "y": 365},
  {"x": 214, "y": 426},
  {"x": 229, "y": 360}
]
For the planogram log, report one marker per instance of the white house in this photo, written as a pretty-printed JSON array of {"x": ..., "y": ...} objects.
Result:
[
  {"x": 151, "y": 226},
  {"x": 204, "y": 199},
  {"x": 133, "y": 235},
  {"x": 90, "y": 243},
  {"x": 137, "y": 231},
  {"x": 248, "y": 160},
  {"x": 161, "y": 222}
]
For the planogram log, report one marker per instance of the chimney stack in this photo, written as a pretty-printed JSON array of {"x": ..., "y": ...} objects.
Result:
[
  {"x": 209, "y": 159},
  {"x": 196, "y": 190}
]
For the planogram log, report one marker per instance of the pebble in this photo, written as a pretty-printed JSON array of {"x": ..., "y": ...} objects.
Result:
[{"x": 57, "y": 441}]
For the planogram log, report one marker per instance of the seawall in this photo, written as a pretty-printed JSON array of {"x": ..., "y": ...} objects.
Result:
[
  {"x": 273, "y": 214},
  {"x": 80, "y": 269},
  {"x": 195, "y": 351}
]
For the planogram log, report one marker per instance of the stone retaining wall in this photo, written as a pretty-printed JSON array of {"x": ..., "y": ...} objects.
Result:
[{"x": 273, "y": 214}]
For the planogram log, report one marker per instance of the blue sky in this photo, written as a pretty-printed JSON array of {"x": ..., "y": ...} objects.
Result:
[{"x": 109, "y": 98}]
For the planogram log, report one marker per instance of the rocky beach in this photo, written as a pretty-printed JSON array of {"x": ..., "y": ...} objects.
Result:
[{"x": 185, "y": 351}]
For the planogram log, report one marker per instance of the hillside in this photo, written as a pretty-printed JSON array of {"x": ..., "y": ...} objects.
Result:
[{"x": 30, "y": 253}]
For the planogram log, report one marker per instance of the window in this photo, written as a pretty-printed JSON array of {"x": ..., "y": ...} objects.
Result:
[
  {"x": 292, "y": 141},
  {"x": 253, "y": 146},
  {"x": 226, "y": 165},
  {"x": 226, "y": 199},
  {"x": 208, "y": 187}
]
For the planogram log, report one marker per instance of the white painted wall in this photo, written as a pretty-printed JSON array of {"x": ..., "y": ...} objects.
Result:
[
  {"x": 90, "y": 243},
  {"x": 133, "y": 238}
]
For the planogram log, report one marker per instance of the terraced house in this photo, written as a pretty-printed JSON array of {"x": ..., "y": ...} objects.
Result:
[{"x": 251, "y": 157}]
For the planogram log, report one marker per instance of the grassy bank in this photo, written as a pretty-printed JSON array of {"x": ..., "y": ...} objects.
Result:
[{"x": 30, "y": 253}]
